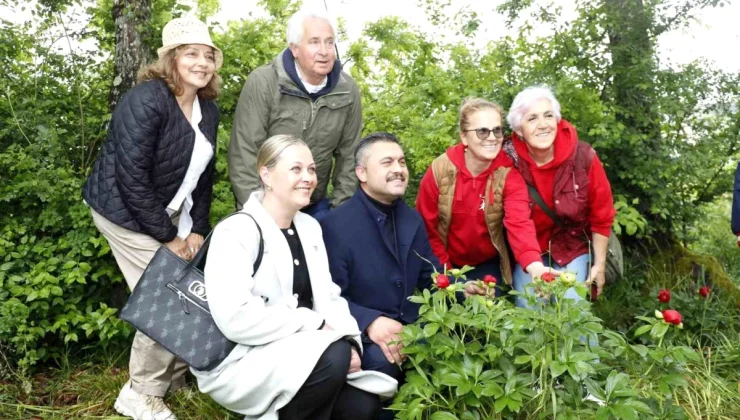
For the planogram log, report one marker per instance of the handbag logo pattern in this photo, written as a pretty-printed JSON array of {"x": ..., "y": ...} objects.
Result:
[{"x": 198, "y": 289}]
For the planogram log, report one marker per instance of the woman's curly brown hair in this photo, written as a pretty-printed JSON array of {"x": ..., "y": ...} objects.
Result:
[{"x": 166, "y": 69}]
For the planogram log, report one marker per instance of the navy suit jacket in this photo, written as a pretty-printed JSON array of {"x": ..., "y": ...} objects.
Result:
[{"x": 374, "y": 280}]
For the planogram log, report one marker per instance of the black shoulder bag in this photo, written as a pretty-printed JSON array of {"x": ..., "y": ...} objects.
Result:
[{"x": 169, "y": 305}]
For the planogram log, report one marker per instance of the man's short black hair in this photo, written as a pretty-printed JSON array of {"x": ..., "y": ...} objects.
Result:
[{"x": 361, "y": 151}]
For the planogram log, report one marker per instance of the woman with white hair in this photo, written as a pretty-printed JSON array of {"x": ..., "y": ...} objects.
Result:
[
  {"x": 570, "y": 195},
  {"x": 298, "y": 347}
]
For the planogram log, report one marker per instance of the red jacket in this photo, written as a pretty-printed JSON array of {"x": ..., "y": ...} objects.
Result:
[
  {"x": 584, "y": 210},
  {"x": 468, "y": 240}
]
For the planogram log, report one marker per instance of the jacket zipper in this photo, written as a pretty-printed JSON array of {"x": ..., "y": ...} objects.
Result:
[{"x": 184, "y": 299}]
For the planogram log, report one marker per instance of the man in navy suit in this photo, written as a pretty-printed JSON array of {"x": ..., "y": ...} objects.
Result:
[{"x": 377, "y": 248}]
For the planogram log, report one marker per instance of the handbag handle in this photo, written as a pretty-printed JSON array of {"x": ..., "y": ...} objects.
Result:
[{"x": 203, "y": 251}]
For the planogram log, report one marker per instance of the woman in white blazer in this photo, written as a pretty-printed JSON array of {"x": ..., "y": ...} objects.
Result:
[{"x": 298, "y": 352}]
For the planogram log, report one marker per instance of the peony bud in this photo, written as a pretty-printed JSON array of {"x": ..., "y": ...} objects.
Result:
[
  {"x": 489, "y": 280},
  {"x": 548, "y": 277},
  {"x": 442, "y": 281},
  {"x": 568, "y": 278},
  {"x": 672, "y": 317},
  {"x": 664, "y": 296}
]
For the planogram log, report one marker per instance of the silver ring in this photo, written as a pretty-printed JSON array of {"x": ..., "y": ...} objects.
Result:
[{"x": 192, "y": 249}]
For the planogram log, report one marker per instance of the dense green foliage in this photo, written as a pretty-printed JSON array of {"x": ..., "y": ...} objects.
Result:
[
  {"x": 668, "y": 138},
  {"x": 487, "y": 359}
]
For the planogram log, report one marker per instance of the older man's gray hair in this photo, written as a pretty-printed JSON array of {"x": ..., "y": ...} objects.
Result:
[
  {"x": 525, "y": 99},
  {"x": 296, "y": 22}
]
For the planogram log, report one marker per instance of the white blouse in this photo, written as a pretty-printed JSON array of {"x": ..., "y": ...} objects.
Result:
[{"x": 202, "y": 154}]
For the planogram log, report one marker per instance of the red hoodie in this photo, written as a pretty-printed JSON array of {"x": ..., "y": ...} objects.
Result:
[
  {"x": 601, "y": 216},
  {"x": 468, "y": 240}
]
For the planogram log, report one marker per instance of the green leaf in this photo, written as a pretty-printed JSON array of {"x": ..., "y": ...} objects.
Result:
[
  {"x": 557, "y": 369},
  {"x": 492, "y": 389},
  {"x": 638, "y": 406},
  {"x": 642, "y": 330},
  {"x": 443, "y": 415},
  {"x": 674, "y": 379},
  {"x": 500, "y": 404},
  {"x": 431, "y": 329},
  {"x": 464, "y": 389},
  {"x": 520, "y": 360},
  {"x": 623, "y": 412}
]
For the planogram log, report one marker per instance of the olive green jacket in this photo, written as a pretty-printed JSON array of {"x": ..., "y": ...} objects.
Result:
[{"x": 270, "y": 103}]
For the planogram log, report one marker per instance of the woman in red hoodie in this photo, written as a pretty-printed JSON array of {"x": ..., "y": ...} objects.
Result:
[
  {"x": 570, "y": 180},
  {"x": 471, "y": 192}
]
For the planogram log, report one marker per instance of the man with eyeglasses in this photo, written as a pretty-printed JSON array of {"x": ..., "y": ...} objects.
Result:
[
  {"x": 379, "y": 252},
  {"x": 470, "y": 193},
  {"x": 304, "y": 93}
]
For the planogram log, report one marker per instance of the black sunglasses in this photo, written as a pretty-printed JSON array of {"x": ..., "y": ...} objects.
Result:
[{"x": 484, "y": 132}]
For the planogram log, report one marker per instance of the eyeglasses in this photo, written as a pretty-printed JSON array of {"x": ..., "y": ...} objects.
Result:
[{"x": 484, "y": 132}]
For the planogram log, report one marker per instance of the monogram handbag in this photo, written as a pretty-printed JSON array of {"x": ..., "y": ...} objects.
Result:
[{"x": 170, "y": 305}]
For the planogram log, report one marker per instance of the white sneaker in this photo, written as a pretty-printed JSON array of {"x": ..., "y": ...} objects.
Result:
[{"x": 141, "y": 407}]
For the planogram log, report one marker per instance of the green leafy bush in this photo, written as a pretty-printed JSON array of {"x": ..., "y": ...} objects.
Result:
[
  {"x": 484, "y": 358},
  {"x": 56, "y": 271}
]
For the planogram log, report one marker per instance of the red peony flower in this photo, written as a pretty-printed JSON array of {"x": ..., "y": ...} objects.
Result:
[
  {"x": 442, "y": 281},
  {"x": 489, "y": 279},
  {"x": 548, "y": 277},
  {"x": 664, "y": 296},
  {"x": 704, "y": 291},
  {"x": 672, "y": 317}
]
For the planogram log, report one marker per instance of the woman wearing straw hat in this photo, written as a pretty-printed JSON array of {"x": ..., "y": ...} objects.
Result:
[{"x": 152, "y": 184}]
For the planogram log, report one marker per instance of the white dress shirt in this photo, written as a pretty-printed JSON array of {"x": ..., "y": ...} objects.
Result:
[{"x": 202, "y": 154}]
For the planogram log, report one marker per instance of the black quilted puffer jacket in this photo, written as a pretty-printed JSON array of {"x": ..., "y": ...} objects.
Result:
[{"x": 144, "y": 160}]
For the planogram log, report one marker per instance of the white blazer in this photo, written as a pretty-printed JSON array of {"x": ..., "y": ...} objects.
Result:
[{"x": 278, "y": 343}]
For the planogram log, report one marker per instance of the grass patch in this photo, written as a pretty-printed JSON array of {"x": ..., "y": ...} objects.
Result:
[{"x": 85, "y": 387}]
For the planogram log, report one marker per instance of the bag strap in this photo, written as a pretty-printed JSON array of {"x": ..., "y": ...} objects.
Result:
[
  {"x": 200, "y": 256},
  {"x": 261, "y": 249},
  {"x": 540, "y": 202}
]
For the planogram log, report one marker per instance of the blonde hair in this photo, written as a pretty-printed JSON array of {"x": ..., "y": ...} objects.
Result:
[
  {"x": 471, "y": 105},
  {"x": 166, "y": 69},
  {"x": 270, "y": 151}
]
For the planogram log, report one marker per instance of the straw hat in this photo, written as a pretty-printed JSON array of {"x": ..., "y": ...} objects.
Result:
[{"x": 187, "y": 30}]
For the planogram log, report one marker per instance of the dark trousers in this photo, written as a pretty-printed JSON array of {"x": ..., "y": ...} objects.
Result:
[
  {"x": 374, "y": 359},
  {"x": 326, "y": 395}
]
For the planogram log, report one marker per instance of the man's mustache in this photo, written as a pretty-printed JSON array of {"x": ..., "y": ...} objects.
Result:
[{"x": 396, "y": 176}]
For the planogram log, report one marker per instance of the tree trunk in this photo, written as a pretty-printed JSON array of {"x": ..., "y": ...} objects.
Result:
[
  {"x": 132, "y": 18},
  {"x": 633, "y": 91}
]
